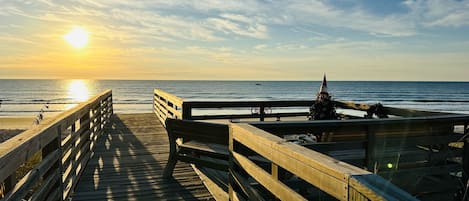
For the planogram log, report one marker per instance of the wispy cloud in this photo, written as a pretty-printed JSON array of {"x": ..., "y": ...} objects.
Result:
[
  {"x": 439, "y": 13},
  {"x": 172, "y": 36}
]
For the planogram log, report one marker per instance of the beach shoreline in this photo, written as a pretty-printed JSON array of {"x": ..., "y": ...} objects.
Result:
[{"x": 16, "y": 122}]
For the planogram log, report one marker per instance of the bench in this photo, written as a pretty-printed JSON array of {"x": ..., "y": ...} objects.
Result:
[{"x": 199, "y": 143}]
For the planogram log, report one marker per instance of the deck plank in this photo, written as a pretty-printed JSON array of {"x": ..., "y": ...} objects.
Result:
[{"x": 128, "y": 165}]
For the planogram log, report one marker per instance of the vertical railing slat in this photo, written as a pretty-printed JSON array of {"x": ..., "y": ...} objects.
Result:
[{"x": 47, "y": 139}]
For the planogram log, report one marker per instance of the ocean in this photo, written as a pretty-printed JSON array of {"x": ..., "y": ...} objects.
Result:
[{"x": 28, "y": 97}]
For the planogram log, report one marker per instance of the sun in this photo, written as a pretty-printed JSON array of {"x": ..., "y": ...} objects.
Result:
[{"x": 77, "y": 37}]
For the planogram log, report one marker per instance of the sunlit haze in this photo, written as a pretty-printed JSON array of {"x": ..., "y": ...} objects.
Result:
[
  {"x": 235, "y": 40},
  {"x": 77, "y": 37}
]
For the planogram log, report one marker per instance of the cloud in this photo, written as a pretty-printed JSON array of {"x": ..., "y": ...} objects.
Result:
[
  {"x": 239, "y": 25},
  {"x": 439, "y": 13},
  {"x": 319, "y": 13},
  {"x": 260, "y": 46},
  {"x": 15, "y": 39}
]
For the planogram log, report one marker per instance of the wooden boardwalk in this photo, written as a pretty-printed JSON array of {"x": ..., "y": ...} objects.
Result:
[{"x": 128, "y": 162}]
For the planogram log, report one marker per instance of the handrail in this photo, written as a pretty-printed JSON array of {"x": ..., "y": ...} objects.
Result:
[
  {"x": 65, "y": 142},
  {"x": 260, "y": 105},
  {"x": 336, "y": 178},
  {"x": 292, "y": 127},
  {"x": 167, "y": 105}
]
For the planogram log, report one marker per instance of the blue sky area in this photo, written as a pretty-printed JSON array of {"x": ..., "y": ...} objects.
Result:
[{"x": 237, "y": 40}]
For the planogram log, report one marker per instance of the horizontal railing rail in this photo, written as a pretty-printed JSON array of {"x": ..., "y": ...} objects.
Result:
[
  {"x": 63, "y": 145},
  {"x": 261, "y": 108},
  {"x": 167, "y": 105},
  {"x": 338, "y": 179},
  {"x": 294, "y": 127},
  {"x": 373, "y": 135}
]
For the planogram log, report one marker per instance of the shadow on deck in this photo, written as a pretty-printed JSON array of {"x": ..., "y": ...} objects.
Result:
[{"x": 128, "y": 162}]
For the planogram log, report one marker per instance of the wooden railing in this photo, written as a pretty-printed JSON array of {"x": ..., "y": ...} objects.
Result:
[
  {"x": 64, "y": 145},
  {"x": 167, "y": 105},
  {"x": 170, "y": 106},
  {"x": 335, "y": 178},
  {"x": 381, "y": 143}
]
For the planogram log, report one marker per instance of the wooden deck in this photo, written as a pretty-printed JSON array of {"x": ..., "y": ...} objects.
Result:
[{"x": 128, "y": 163}]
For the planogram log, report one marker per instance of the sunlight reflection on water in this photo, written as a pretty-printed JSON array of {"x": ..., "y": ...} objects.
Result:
[{"x": 78, "y": 91}]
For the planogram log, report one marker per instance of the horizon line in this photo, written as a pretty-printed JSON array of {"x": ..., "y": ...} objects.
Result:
[{"x": 234, "y": 80}]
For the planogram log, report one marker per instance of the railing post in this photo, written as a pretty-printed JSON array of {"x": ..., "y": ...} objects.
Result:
[
  {"x": 110, "y": 106},
  {"x": 49, "y": 148},
  {"x": 465, "y": 161},
  {"x": 230, "y": 164},
  {"x": 262, "y": 112},
  {"x": 274, "y": 171},
  {"x": 186, "y": 111}
]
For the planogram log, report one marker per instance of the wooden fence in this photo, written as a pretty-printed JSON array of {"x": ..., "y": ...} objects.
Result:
[
  {"x": 380, "y": 141},
  {"x": 166, "y": 105},
  {"x": 338, "y": 179},
  {"x": 64, "y": 145}
]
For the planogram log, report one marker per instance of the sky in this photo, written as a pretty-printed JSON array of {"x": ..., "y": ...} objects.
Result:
[{"x": 421, "y": 40}]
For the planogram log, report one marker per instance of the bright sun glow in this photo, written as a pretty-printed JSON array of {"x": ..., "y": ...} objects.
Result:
[
  {"x": 78, "y": 37},
  {"x": 78, "y": 90}
]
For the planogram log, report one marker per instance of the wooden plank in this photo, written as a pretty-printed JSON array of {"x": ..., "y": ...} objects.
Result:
[
  {"x": 245, "y": 116},
  {"x": 248, "y": 104},
  {"x": 201, "y": 131},
  {"x": 169, "y": 97},
  {"x": 175, "y": 113},
  {"x": 32, "y": 177},
  {"x": 322, "y": 171},
  {"x": 128, "y": 164},
  {"x": 244, "y": 185},
  {"x": 217, "y": 192},
  {"x": 276, "y": 187},
  {"x": 18, "y": 149},
  {"x": 46, "y": 186},
  {"x": 294, "y": 127}
]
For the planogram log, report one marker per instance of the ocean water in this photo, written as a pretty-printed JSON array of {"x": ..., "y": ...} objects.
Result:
[{"x": 27, "y": 97}]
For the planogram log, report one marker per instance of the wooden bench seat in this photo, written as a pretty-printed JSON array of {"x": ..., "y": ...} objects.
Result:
[{"x": 199, "y": 143}]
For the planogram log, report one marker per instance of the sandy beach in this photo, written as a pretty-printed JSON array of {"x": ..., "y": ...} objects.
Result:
[
  {"x": 11, "y": 126},
  {"x": 16, "y": 122}
]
